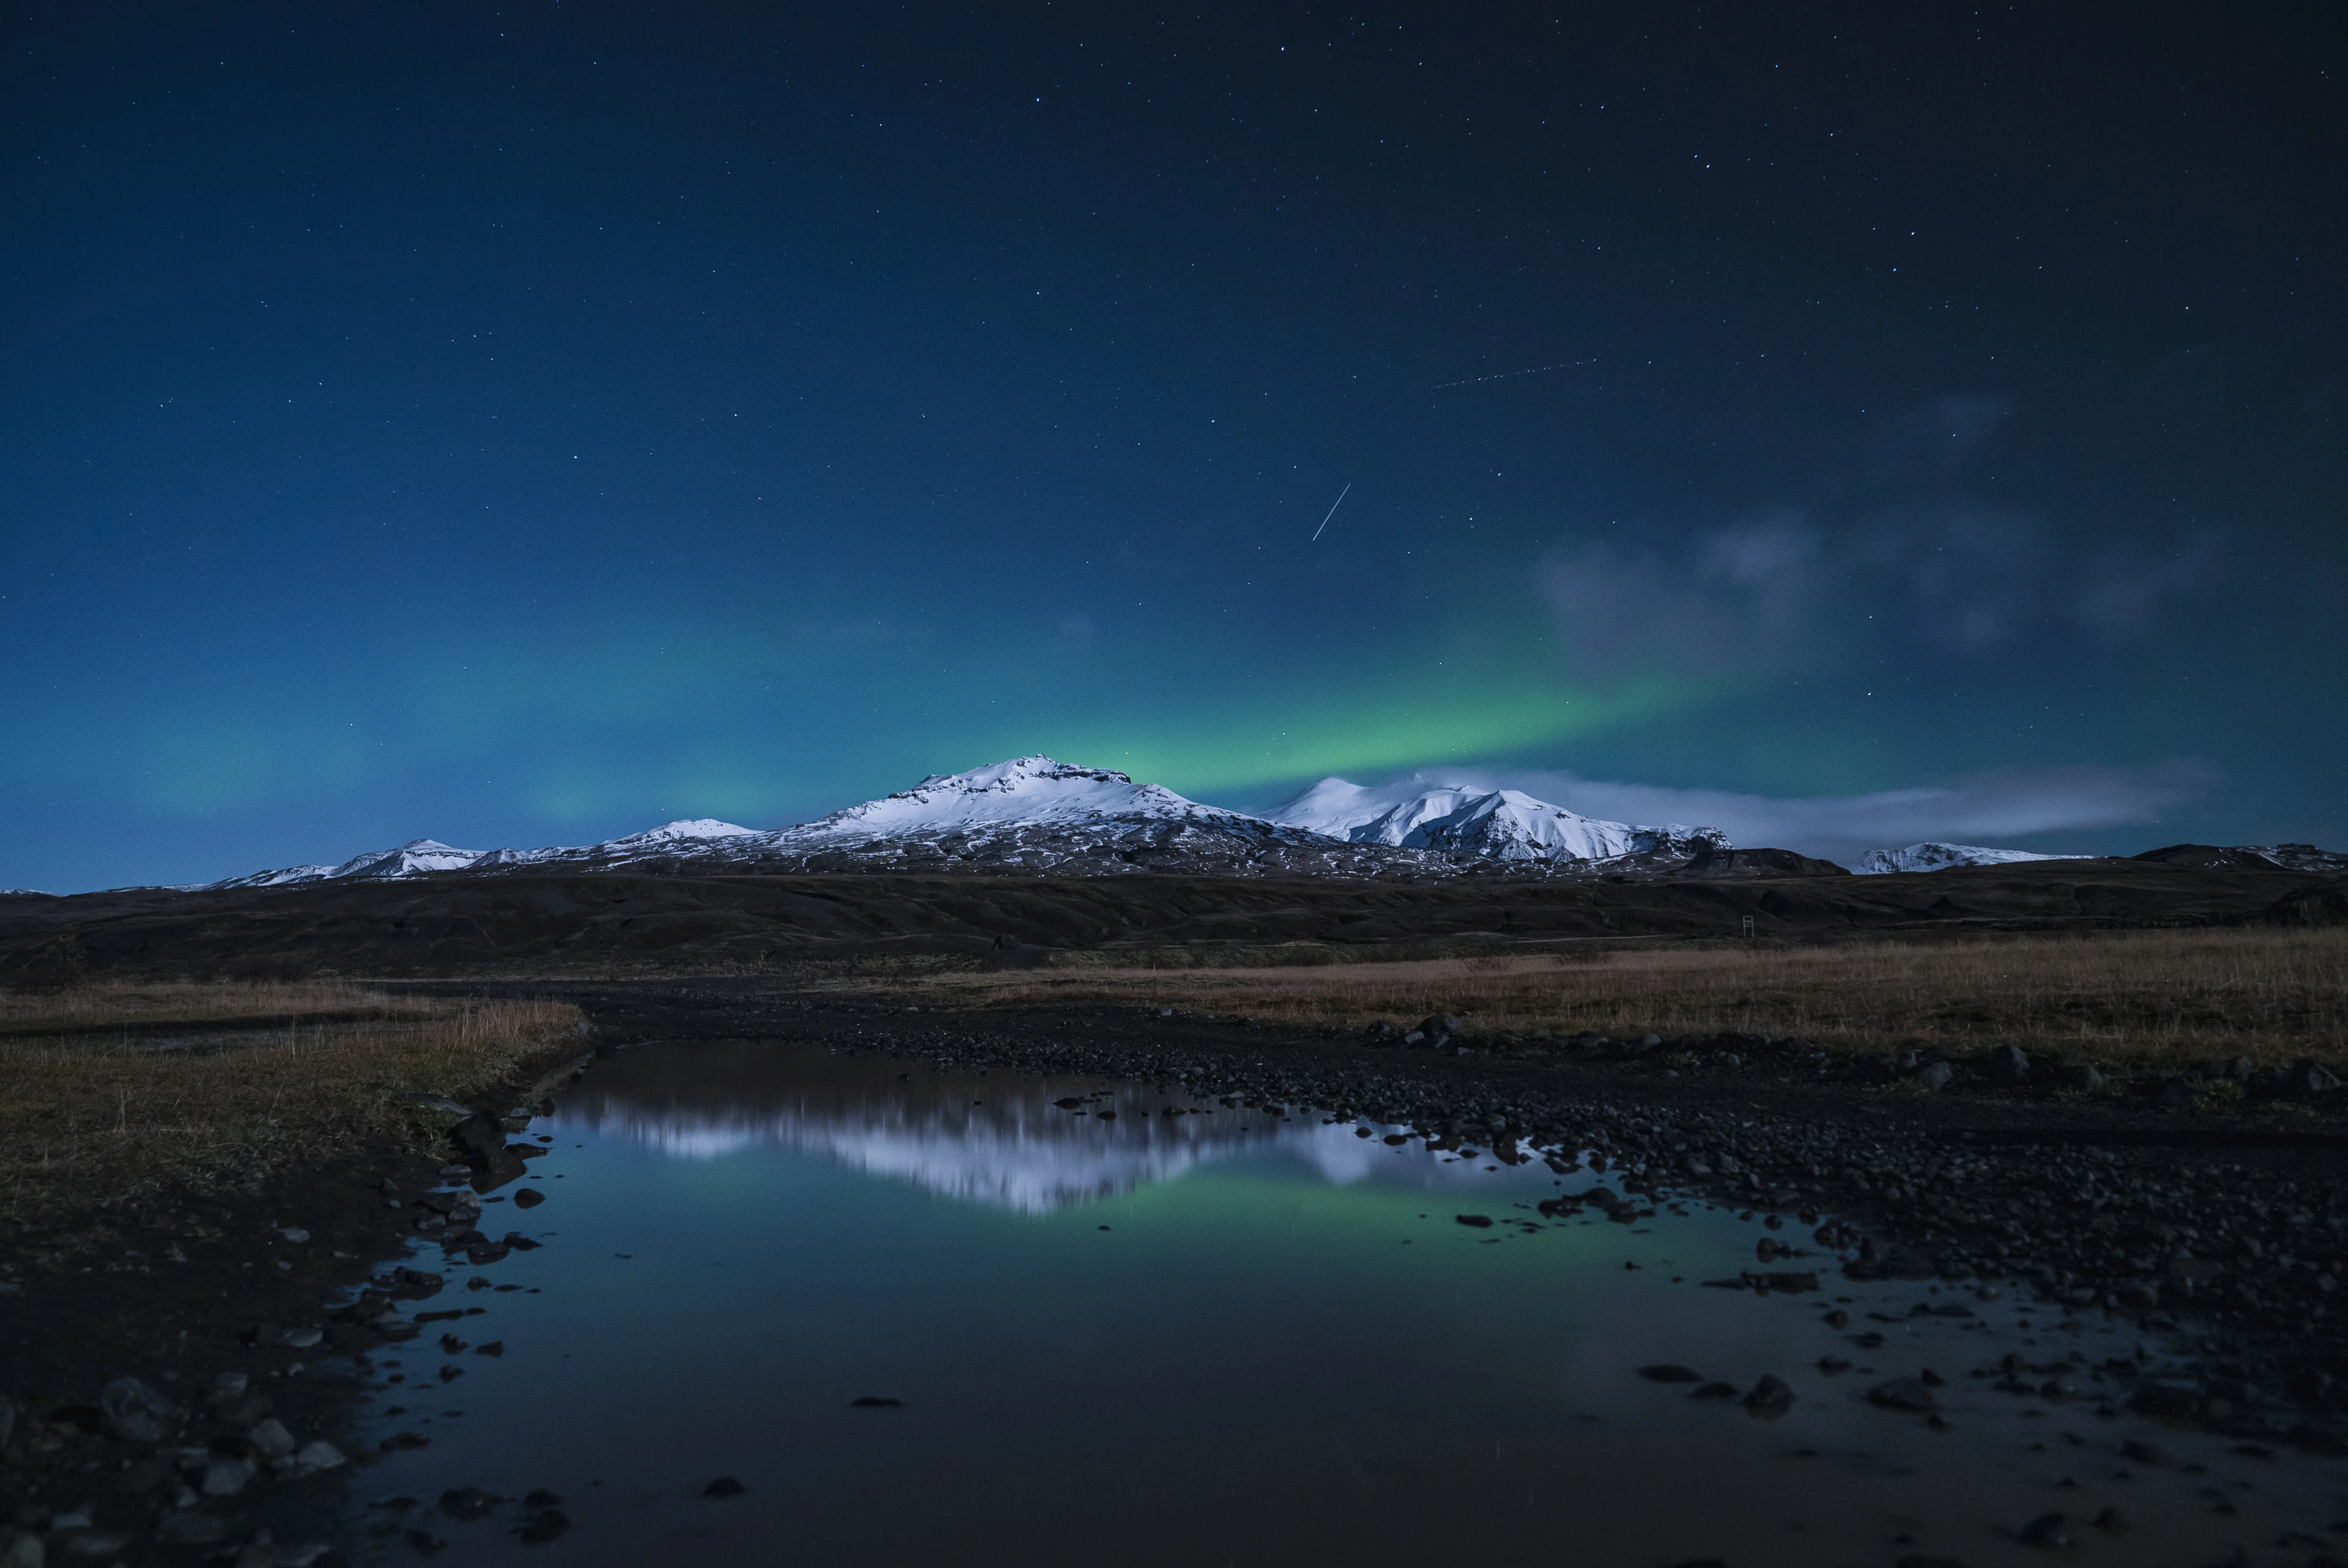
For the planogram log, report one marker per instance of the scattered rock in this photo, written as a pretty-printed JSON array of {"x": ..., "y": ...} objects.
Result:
[
  {"x": 1935, "y": 1078},
  {"x": 190, "y": 1527},
  {"x": 2008, "y": 1065},
  {"x": 465, "y": 1504},
  {"x": 724, "y": 1486},
  {"x": 528, "y": 1198},
  {"x": 315, "y": 1456},
  {"x": 1670, "y": 1372},
  {"x": 546, "y": 1524},
  {"x": 1771, "y": 1396},
  {"x": 270, "y": 1438},
  {"x": 2046, "y": 1529},
  {"x": 874, "y": 1402},
  {"x": 131, "y": 1409},
  {"x": 1904, "y": 1394},
  {"x": 1482, "y": 1221},
  {"x": 226, "y": 1478}
]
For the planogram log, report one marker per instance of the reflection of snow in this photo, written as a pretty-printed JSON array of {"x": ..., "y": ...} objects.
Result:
[{"x": 987, "y": 1140}]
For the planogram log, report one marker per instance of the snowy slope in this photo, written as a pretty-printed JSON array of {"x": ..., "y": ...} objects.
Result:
[
  {"x": 1943, "y": 857},
  {"x": 1497, "y": 824},
  {"x": 1031, "y": 791}
]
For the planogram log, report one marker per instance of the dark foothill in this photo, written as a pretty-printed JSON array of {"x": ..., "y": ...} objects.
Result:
[
  {"x": 1771, "y": 1395},
  {"x": 1670, "y": 1372},
  {"x": 2046, "y": 1529},
  {"x": 1903, "y": 1393},
  {"x": 467, "y": 1503},
  {"x": 874, "y": 1402},
  {"x": 724, "y": 1486},
  {"x": 1482, "y": 1221},
  {"x": 528, "y": 1198}
]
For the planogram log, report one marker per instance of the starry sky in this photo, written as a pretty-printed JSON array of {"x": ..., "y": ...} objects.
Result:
[{"x": 525, "y": 423}]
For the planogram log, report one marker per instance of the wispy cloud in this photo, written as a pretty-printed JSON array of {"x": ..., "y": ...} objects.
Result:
[
  {"x": 1990, "y": 808},
  {"x": 1903, "y": 548}
]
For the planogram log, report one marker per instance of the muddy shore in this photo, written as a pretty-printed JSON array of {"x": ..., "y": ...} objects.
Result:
[{"x": 2218, "y": 1224}]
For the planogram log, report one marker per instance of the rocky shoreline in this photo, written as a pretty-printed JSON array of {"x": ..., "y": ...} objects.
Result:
[{"x": 181, "y": 1383}]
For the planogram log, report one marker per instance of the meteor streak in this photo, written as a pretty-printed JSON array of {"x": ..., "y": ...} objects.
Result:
[
  {"x": 1503, "y": 376},
  {"x": 1332, "y": 511}
]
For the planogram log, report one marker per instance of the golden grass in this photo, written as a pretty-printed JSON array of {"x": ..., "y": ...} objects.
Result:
[
  {"x": 105, "y": 1119},
  {"x": 134, "y": 1004},
  {"x": 2142, "y": 999}
]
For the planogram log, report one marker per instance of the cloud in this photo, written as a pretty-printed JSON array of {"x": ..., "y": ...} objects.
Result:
[
  {"x": 2121, "y": 593},
  {"x": 1984, "y": 808},
  {"x": 1901, "y": 553}
]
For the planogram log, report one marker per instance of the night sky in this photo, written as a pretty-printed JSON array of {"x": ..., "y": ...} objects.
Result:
[{"x": 526, "y": 423}]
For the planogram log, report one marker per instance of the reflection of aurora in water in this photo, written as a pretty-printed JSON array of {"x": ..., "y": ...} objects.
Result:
[{"x": 983, "y": 1139}]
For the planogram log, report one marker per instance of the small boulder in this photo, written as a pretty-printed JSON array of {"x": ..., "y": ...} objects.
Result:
[
  {"x": 226, "y": 1478},
  {"x": 270, "y": 1438},
  {"x": 1935, "y": 1077},
  {"x": 2008, "y": 1065},
  {"x": 131, "y": 1409},
  {"x": 1769, "y": 1396},
  {"x": 1904, "y": 1394}
]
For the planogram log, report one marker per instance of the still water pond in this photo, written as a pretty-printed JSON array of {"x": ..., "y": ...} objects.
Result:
[{"x": 1218, "y": 1338}]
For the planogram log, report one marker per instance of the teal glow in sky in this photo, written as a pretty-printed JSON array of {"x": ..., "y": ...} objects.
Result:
[{"x": 526, "y": 425}]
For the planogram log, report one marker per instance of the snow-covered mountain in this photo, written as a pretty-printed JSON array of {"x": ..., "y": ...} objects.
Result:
[
  {"x": 1489, "y": 824},
  {"x": 1031, "y": 814},
  {"x": 1037, "y": 814},
  {"x": 1944, "y": 857}
]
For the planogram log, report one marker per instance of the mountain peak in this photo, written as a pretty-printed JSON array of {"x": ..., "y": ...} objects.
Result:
[{"x": 1474, "y": 820}]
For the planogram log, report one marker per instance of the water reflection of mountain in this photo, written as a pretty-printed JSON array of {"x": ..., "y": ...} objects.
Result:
[{"x": 988, "y": 1139}]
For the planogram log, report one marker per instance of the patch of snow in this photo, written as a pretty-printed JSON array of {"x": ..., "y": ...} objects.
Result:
[{"x": 1944, "y": 857}]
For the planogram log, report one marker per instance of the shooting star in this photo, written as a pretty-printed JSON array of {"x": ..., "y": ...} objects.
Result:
[
  {"x": 1332, "y": 511},
  {"x": 1504, "y": 374}
]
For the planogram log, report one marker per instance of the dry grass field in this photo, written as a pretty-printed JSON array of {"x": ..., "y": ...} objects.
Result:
[
  {"x": 110, "y": 1094},
  {"x": 2135, "y": 998}
]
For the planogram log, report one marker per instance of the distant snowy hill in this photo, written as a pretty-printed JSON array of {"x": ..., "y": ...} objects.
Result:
[
  {"x": 1494, "y": 824},
  {"x": 1944, "y": 857},
  {"x": 421, "y": 857}
]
